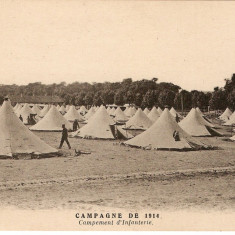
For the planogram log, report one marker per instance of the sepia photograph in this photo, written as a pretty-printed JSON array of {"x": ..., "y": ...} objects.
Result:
[{"x": 117, "y": 115}]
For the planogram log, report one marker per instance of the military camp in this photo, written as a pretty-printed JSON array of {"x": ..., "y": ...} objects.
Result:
[{"x": 111, "y": 106}]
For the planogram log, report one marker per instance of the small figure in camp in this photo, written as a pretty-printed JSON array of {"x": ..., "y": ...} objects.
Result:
[
  {"x": 28, "y": 119},
  {"x": 177, "y": 119},
  {"x": 75, "y": 125},
  {"x": 21, "y": 119},
  {"x": 176, "y": 136},
  {"x": 64, "y": 137}
]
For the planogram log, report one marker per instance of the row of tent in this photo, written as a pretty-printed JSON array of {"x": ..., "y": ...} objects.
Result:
[
  {"x": 228, "y": 117},
  {"x": 16, "y": 138},
  {"x": 70, "y": 112},
  {"x": 194, "y": 123}
]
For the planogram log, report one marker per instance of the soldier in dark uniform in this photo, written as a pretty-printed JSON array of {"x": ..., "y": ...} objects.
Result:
[
  {"x": 64, "y": 137},
  {"x": 176, "y": 136},
  {"x": 177, "y": 119},
  {"x": 21, "y": 119},
  {"x": 75, "y": 125}
]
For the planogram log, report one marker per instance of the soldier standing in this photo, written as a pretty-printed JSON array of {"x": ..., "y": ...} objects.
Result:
[{"x": 64, "y": 137}]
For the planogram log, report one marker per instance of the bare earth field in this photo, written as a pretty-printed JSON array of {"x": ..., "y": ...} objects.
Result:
[{"x": 117, "y": 176}]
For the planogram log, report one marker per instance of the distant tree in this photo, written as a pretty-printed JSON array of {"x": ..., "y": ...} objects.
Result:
[
  {"x": 231, "y": 99},
  {"x": 154, "y": 79},
  {"x": 218, "y": 100},
  {"x": 150, "y": 99},
  {"x": 107, "y": 97},
  {"x": 88, "y": 99},
  {"x": 118, "y": 98},
  {"x": 166, "y": 97},
  {"x": 79, "y": 98},
  {"x": 138, "y": 99},
  {"x": 1, "y": 99},
  {"x": 129, "y": 97},
  {"x": 187, "y": 100},
  {"x": 97, "y": 99}
]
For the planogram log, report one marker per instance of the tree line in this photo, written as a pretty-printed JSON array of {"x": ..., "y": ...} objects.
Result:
[{"x": 142, "y": 93}]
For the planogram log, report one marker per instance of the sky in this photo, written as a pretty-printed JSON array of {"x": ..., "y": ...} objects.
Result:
[{"x": 191, "y": 44}]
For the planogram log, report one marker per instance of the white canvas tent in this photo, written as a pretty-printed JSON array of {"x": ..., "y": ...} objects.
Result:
[
  {"x": 16, "y": 106},
  {"x": 90, "y": 113},
  {"x": 232, "y": 138},
  {"x": 17, "y": 110},
  {"x": 67, "y": 108},
  {"x": 160, "y": 136},
  {"x": 62, "y": 109},
  {"x": 25, "y": 112},
  {"x": 231, "y": 120},
  {"x": 99, "y": 126},
  {"x": 83, "y": 110},
  {"x": 195, "y": 125},
  {"x": 35, "y": 109},
  {"x": 112, "y": 111},
  {"x": 173, "y": 113},
  {"x": 108, "y": 109},
  {"x": 146, "y": 111},
  {"x": 225, "y": 115},
  {"x": 153, "y": 115},
  {"x": 73, "y": 115},
  {"x": 139, "y": 121},
  {"x": 199, "y": 111},
  {"x": 119, "y": 116},
  {"x": 44, "y": 111},
  {"x": 129, "y": 112},
  {"x": 159, "y": 111},
  {"x": 16, "y": 138},
  {"x": 204, "y": 119},
  {"x": 52, "y": 121}
]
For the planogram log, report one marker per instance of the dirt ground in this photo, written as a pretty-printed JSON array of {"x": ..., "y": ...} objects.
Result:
[{"x": 118, "y": 176}]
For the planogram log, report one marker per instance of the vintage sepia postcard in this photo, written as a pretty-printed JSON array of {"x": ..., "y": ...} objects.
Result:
[{"x": 117, "y": 115}]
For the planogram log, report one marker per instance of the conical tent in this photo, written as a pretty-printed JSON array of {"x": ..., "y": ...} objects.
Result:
[
  {"x": 160, "y": 136},
  {"x": 159, "y": 111},
  {"x": 108, "y": 109},
  {"x": 83, "y": 110},
  {"x": 194, "y": 125},
  {"x": 232, "y": 138},
  {"x": 62, "y": 109},
  {"x": 16, "y": 106},
  {"x": 36, "y": 110},
  {"x": 153, "y": 115},
  {"x": 100, "y": 126},
  {"x": 173, "y": 112},
  {"x": 139, "y": 121},
  {"x": 25, "y": 112},
  {"x": 16, "y": 138},
  {"x": 112, "y": 111},
  {"x": 146, "y": 111},
  {"x": 67, "y": 108},
  {"x": 52, "y": 121},
  {"x": 119, "y": 116},
  {"x": 204, "y": 119},
  {"x": 97, "y": 127},
  {"x": 17, "y": 110},
  {"x": 58, "y": 107},
  {"x": 134, "y": 109},
  {"x": 231, "y": 120},
  {"x": 90, "y": 113},
  {"x": 225, "y": 115},
  {"x": 126, "y": 109},
  {"x": 129, "y": 112},
  {"x": 73, "y": 115},
  {"x": 44, "y": 111}
]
